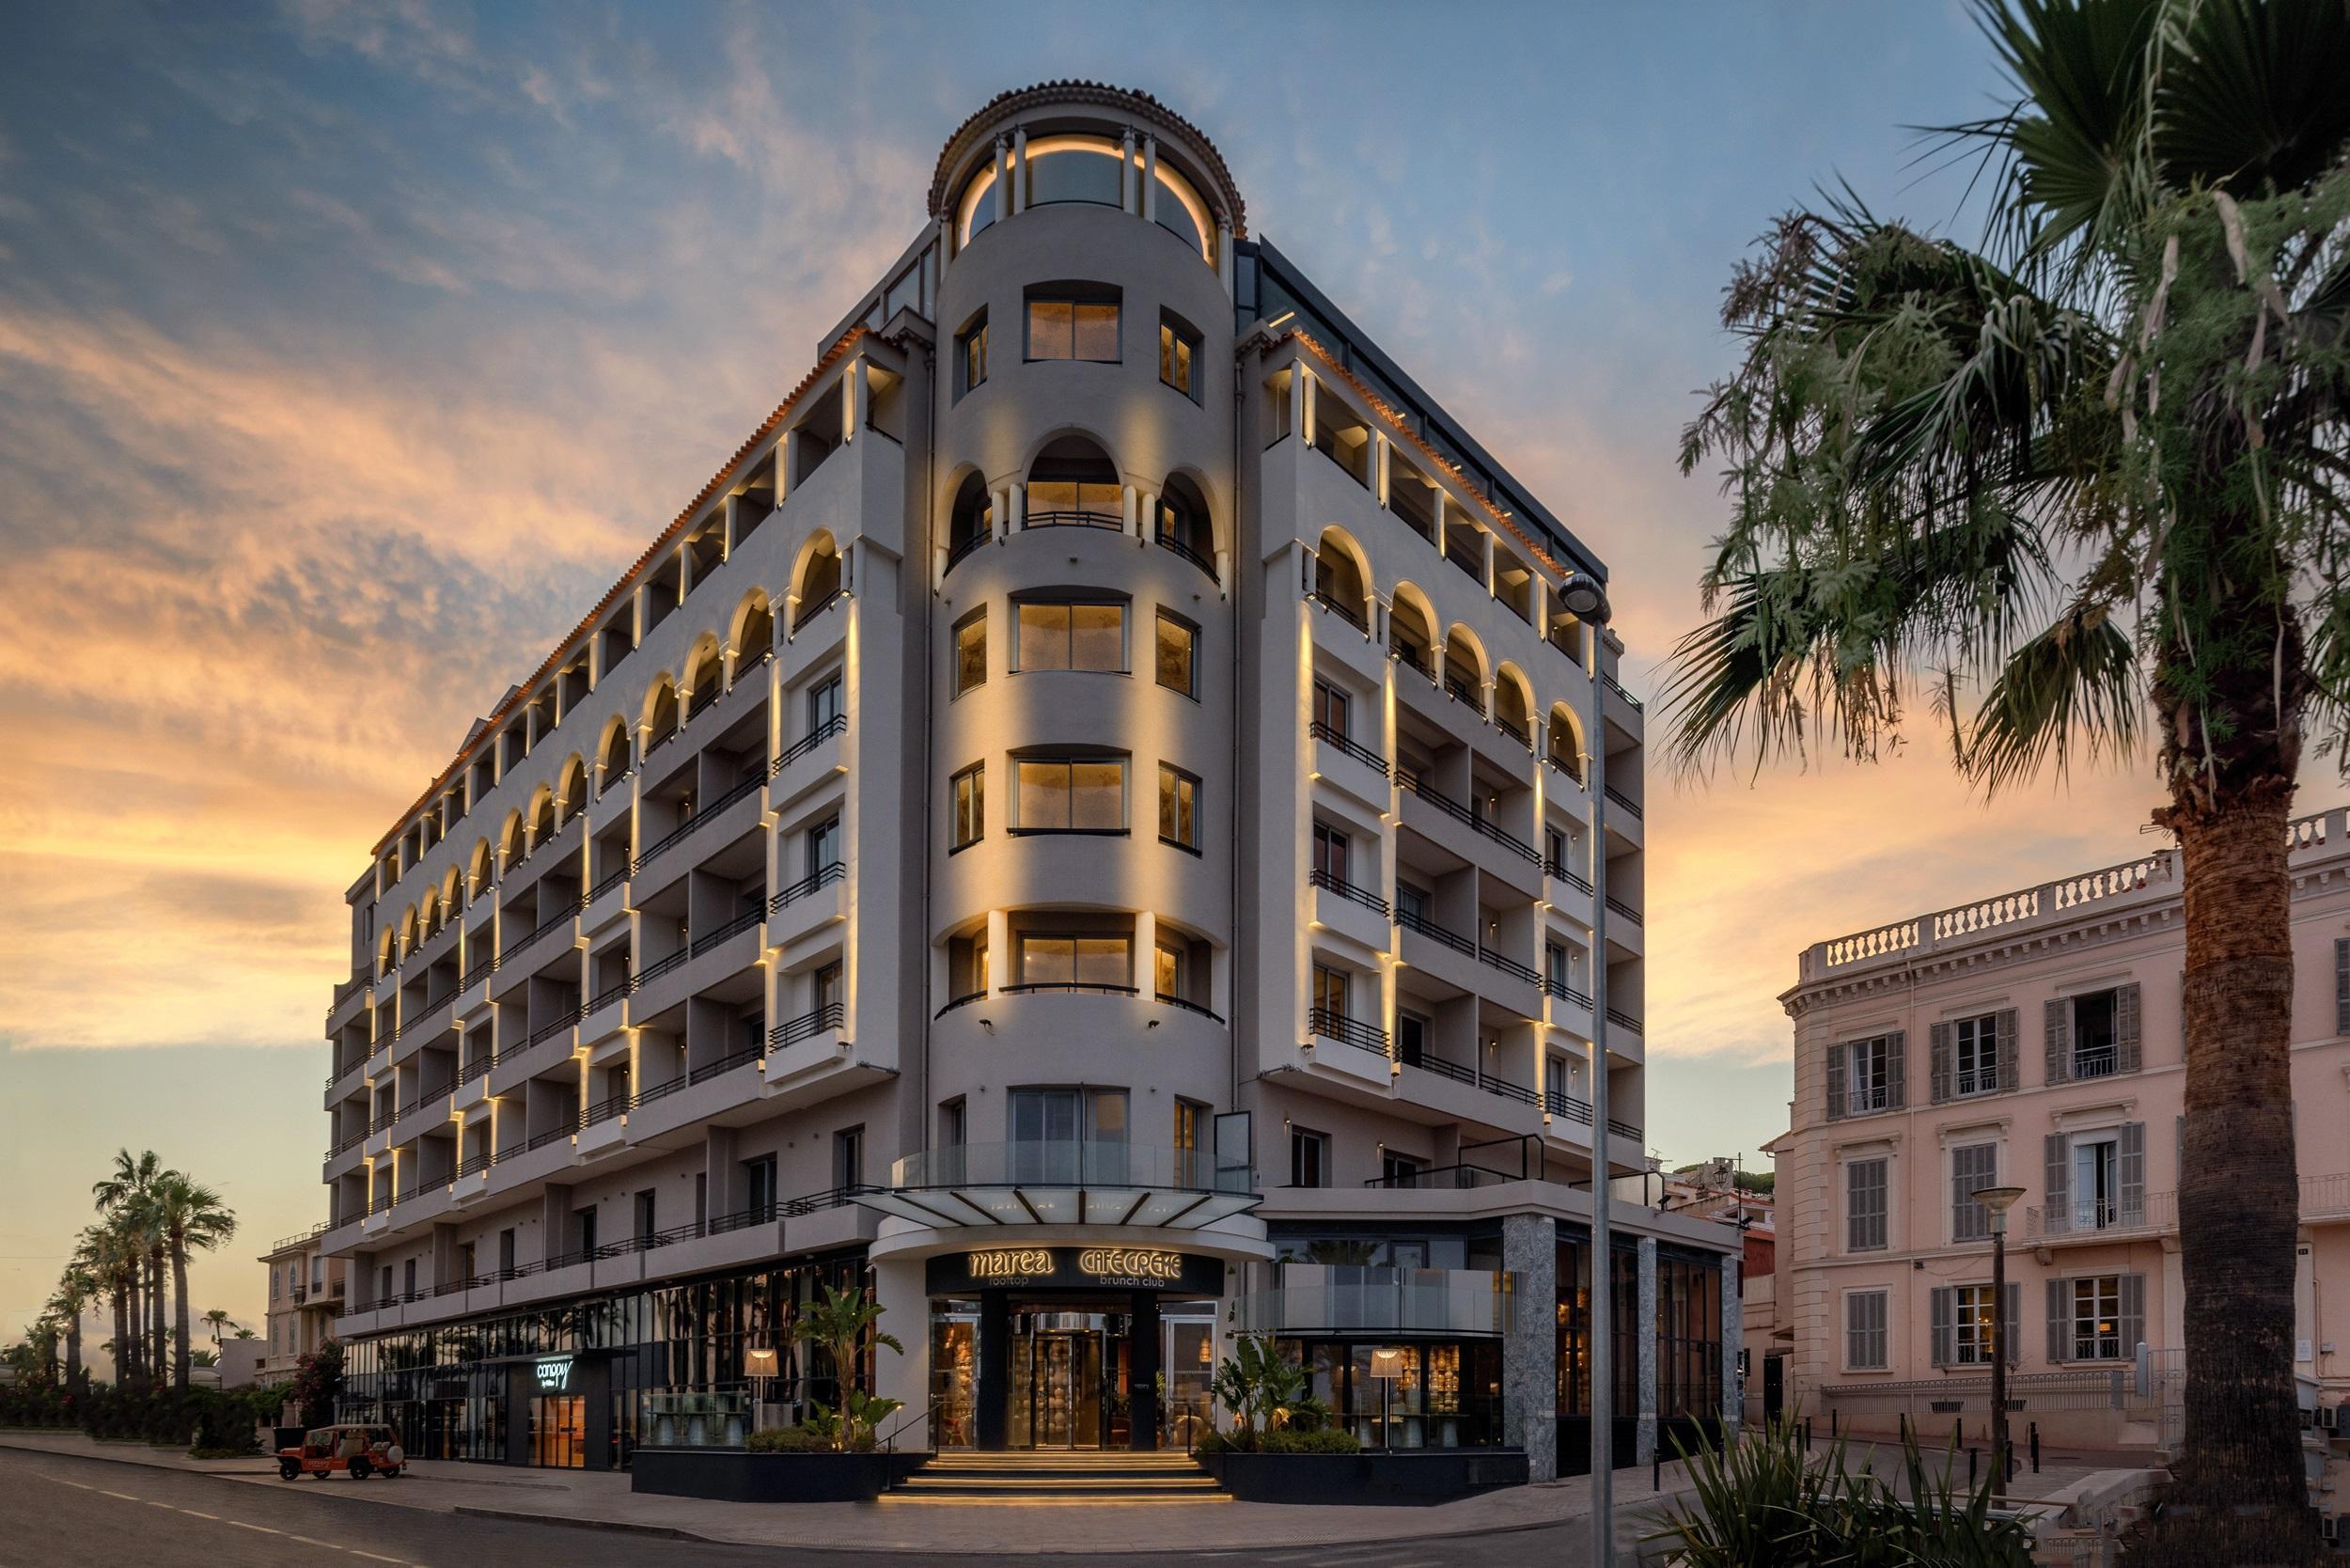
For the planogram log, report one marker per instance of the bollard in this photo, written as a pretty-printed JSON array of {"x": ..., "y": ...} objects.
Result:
[
  {"x": 1831, "y": 1426},
  {"x": 1807, "y": 1433},
  {"x": 2035, "y": 1447},
  {"x": 1903, "y": 1417},
  {"x": 1656, "y": 1476},
  {"x": 1971, "y": 1468}
]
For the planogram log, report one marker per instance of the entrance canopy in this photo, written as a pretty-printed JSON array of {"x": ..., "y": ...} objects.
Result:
[{"x": 982, "y": 1186}]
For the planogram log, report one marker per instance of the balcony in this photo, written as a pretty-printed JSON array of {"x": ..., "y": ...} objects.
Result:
[
  {"x": 1322, "y": 1298},
  {"x": 1350, "y": 764},
  {"x": 799, "y": 909},
  {"x": 810, "y": 743},
  {"x": 740, "y": 791},
  {"x": 1477, "y": 1078},
  {"x": 1183, "y": 552},
  {"x": 2091, "y": 1221},
  {"x": 1330, "y": 1024},
  {"x": 1064, "y": 1182},
  {"x": 1354, "y": 912}
]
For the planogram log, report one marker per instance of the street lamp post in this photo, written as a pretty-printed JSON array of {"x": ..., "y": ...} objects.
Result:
[
  {"x": 1997, "y": 1201},
  {"x": 1585, "y": 598},
  {"x": 1386, "y": 1366},
  {"x": 758, "y": 1365}
]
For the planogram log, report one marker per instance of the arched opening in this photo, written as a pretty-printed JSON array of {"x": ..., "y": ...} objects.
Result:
[
  {"x": 484, "y": 873},
  {"x": 1566, "y": 743},
  {"x": 383, "y": 956},
  {"x": 573, "y": 798},
  {"x": 1412, "y": 629},
  {"x": 819, "y": 581},
  {"x": 511, "y": 847},
  {"x": 972, "y": 521},
  {"x": 703, "y": 674},
  {"x": 754, "y": 640},
  {"x": 408, "y": 932},
  {"x": 1465, "y": 671},
  {"x": 661, "y": 716},
  {"x": 1073, "y": 483},
  {"x": 1513, "y": 707},
  {"x": 432, "y": 916},
  {"x": 1566, "y": 634},
  {"x": 453, "y": 894},
  {"x": 1340, "y": 581},
  {"x": 1184, "y": 524},
  {"x": 542, "y": 819},
  {"x": 612, "y": 756}
]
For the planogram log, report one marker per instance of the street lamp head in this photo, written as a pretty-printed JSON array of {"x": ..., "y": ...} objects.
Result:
[
  {"x": 1999, "y": 1201},
  {"x": 758, "y": 1361},
  {"x": 1585, "y": 598}
]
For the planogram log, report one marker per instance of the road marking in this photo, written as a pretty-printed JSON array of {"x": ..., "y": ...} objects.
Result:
[
  {"x": 124, "y": 1496},
  {"x": 263, "y": 1529},
  {"x": 356, "y": 1552},
  {"x": 307, "y": 1542},
  {"x": 152, "y": 1503},
  {"x": 75, "y": 1485},
  {"x": 202, "y": 1514}
]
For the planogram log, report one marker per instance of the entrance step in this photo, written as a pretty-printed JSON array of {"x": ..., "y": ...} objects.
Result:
[{"x": 1034, "y": 1476}]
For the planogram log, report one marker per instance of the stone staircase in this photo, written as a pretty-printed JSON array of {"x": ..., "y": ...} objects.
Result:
[{"x": 1097, "y": 1479}]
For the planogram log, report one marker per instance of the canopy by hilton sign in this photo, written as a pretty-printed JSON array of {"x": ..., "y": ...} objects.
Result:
[{"x": 1135, "y": 1268}]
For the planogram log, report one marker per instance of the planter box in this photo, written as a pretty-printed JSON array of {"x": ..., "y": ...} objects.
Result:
[
  {"x": 736, "y": 1475},
  {"x": 1407, "y": 1475}
]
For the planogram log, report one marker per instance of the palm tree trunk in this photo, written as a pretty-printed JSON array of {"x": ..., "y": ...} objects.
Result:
[
  {"x": 74, "y": 1351},
  {"x": 135, "y": 1336},
  {"x": 182, "y": 1347},
  {"x": 2239, "y": 1471},
  {"x": 155, "y": 1363},
  {"x": 122, "y": 1332}
]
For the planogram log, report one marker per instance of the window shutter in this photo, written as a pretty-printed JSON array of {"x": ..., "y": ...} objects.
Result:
[
  {"x": 2133, "y": 1173},
  {"x": 2060, "y": 1029},
  {"x": 2057, "y": 1214},
  {"x": 2133, "y": 1320},
  {"x": 2012, "y": 1315},
  {"x": 2342, "y": 985},
  {"x": 1896, "y": 1067},
  {"x": 1837, "y": 1055},
  {"x": 2006, "y": 1033},
  {"x": 1864, "y": 1205},
  {"x": 2060, "y": 1322},
  {"x": 1945, "y": 1329},
  {"x": 2126, "y": 1054},
  {"x": 1938, "y": 1062}
]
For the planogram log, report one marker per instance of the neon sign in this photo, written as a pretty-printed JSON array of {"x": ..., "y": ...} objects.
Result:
[
  {"x": 1010, "y": 1264},
  {"x": 555, "y": 1371},
  {"x": 1130, "y": 1263}
]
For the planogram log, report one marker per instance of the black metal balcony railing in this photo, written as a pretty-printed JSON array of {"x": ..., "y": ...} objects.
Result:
[
  {"x": 743, "y": 668},
  {"x": 1332, "y": 1025},
  {"x": 700, "y": 819},
  {"x": 1433, "y": 796},
  {"x": 1611, "y": 683},
  {"x": 1506, "y": 1090},
  {"x": 1570, "y": 765},
  {"x": 608, "y": 883},
  {"x": 382, "y": 1122},
  {"x": 1568, "y": 874},
  {"x": 963, "y": 1000},
  {"x": 660, "y": 1091},
  {"x": 1088, "y": 987},
  {"x": 1405, "y": 653},
  {"x": 1561, "y": 1104},
  {"x": 702, "y": 696},
  {"x": 1350, "y": 748},
  {"x": 713, "y": 940},
  {"x": 1332, "y": 882},
  {"x": 611, "y": 994},
  {"x": 963, "y": 547},
  {"x": 1519, "y": 734},
  {"x": 1631, "y": 806},
  {"x": 1618, "y": 907},
  {"x": 837, "y": 725},
  {"x": 557, "y": 1134},
  {"x": 1464, "y": 691},
  {"x": 1624, "y": 1129},
  {"x": 560, "y": 1024},
  {"x": 813, "y": 608},
  {"x": 604, "y": 786},
  {"x": 473, "y": 1165},
  {"x": 1507, "y": 964},
  {"x": 1109, "y": 520},
  {"x": 1185, "y": 1004},
  {"x": 1411, "y": 920},
  {"x": 726, "y": 1063},
  {"x": 1444, "y": 1068},
  {"x": 823, "y": 877},
  {"x": 1506, "y": 838},
  {"x": 1554, "y": 986},
  {"x": 1350, "y": 614},
  {"x": 478, "y": 1067},
  {"x": 661, "y": 967},
  {"x": 1184, "y": 551},
  {"x": 808, "y": 1026},
  {"x": 605, "y": 1110},
  {"x": 479, "y": 973},
  {"x": 547, "y": 928},
  {"x": 1622, "y": 1019},
  {"x": 346, "y": 1145}
]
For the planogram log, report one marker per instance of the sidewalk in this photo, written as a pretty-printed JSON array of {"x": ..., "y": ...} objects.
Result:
[{"x": 603, "y": 1499}]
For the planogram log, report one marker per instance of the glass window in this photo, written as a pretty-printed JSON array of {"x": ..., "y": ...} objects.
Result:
[
  {"x": 2097, "y": 1183},
  {"x": 1310, "y": 1158},
  {"x": 972, "y": 347},
  {"x": 2098, "y": 1318},
  {"x": 1973, "y": 1166},
  {"x": 1330, "y": 847},
  {"x": 1072, "y": 794},
  {"x": 1330, "y": 991},
  {"x": 1330, "y": 709},
  {"x": 970, "y": 652},
  {"x": 969, "y": 790},
  {"x": 1974, "y": 1055},
  {"x": 1177, "y": 347},
  {"x": 1073, "y": 329},
  {"x": 1178, "y": 801},
  {"x": 1869, "y": 1082},
  {"x": 1179, "y": 652},
  {"x": 1050, "y": 958},
  {"x": 824, "y": 845},
  {"x": 2095, "y": 1035},
  {"x": 1971, "y": 1320},
  {"x": 1085, "y": 637},
  {"x": 847, "y": 1158},
  {"x": 824, "y": 703}
]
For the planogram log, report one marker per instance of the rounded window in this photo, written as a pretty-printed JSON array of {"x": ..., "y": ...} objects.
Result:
[{"x": 1076, "y": 168}]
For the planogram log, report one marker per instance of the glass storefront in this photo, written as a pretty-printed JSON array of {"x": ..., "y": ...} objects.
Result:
[
  {"x": 1444, "y": 1394},
  {"x": 1074, "y": 1372},
  {"x": 580, "y": 1384}
]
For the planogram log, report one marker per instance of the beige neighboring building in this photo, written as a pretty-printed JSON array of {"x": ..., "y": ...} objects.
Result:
[
  {"x": 306, "y": 1292},
  {"x": 2036, "y": 1039},
  {"x": 1084, "y": 824}
]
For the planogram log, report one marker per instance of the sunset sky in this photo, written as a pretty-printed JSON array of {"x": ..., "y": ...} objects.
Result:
[{"x": 347, "y": 353}]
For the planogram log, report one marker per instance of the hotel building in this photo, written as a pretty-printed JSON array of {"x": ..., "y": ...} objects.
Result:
[
  {"x": 2036, "y": 1040},
  {"x": 1082, "y": 825},
  {"x": 305, "y": 1296}
]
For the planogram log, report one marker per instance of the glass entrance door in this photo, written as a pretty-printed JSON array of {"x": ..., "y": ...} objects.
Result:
[
  {"x": 1063, "y": 1367},
  {"x": 559, "y": 1431}
]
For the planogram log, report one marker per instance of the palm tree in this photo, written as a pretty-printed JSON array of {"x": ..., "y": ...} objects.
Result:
[
  {"x": 2093, "y": 463},
  {"x": 187, "y": 1215},
  {"x": 218, "y": 1320},
  {"x": 126, "y": 1198},
  {"x": 99, "y": 1251},
  {"x": 75, "y": 1288}
]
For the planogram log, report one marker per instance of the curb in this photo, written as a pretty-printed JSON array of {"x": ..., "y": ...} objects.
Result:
[
  {"x": 616, "y": 1526},
  {"x": 98, "y": 1454}
]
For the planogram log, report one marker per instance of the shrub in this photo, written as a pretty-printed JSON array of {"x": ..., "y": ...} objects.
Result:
[
  {"x": 796, "y": 1440},
  {"x": 1325, "y": 1439},
  {"x": 1765, "y": 1502}
]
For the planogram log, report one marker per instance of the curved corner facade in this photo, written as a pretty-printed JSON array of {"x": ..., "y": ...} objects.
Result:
[{"x": 1081, "y": 827}]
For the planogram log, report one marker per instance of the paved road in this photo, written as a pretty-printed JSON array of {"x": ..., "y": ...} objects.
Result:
[{"x": 59, "y": 1511}]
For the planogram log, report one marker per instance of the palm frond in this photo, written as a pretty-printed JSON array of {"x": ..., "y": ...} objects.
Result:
[{"x": 2074, "y": 685}]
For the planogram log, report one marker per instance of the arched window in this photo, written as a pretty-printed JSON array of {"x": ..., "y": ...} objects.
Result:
[
  {"x": 819, "y": 581},
  {"x": 1566, "y": 742},
  {"x": 702, "y": 676},
  {"x": 1465, "y": 671},
  {"x": 1073, "y": 483},
  {"x": 1339, "y": 581},
  {"x": 575, "y": 796},
  {"x": 1412, "y": 630},
  {"x": 1513, "y": 707},
  {"x": 973, "y": 520},
  {"x": 661, "y": 716},
  {"x": 756, "y": 641},
  {"x": 542, "y": 820},
  {"x": 612, "y": 756},
  {"x": 1184, "y": 525}
]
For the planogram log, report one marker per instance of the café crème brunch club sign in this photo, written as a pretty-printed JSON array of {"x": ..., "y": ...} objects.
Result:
[{"x": 1128, "y": 1267}]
